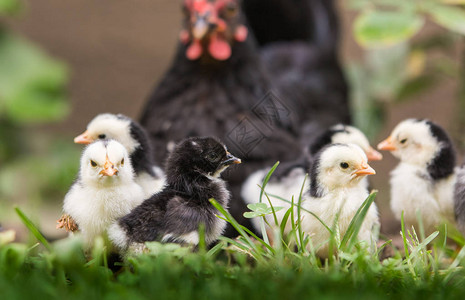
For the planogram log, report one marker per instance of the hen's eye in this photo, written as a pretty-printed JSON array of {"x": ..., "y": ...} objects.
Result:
[
  {"x": 93, "y": 163},
  {"x": 403, "y": 141},
  {"x": 344, "y": 165},
  {"x": 122, "y": 162},
  {"x": 102, "y": 136},
  {"x": 231, "y": 8}
]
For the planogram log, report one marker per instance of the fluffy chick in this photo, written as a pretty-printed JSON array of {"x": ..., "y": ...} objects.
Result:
[
  {"x": 135, "y": 139},
  {"x": 459, "y": 199},
  {"x": 104, "y": 191},
  {"x": 175, "y": 214},
  {"x": 336, "y": 193},
  {"x": 424, "y": 179},
  {"x": 291, "y": 177}
]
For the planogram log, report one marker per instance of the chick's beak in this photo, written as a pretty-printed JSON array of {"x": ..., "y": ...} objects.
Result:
[
  {"x": 372, "y": 154},
  {"x": 231, "y": 160},
  {"x": 387, "y": 145},
  {"x": 109, "y": 169},
  {"x": 364, "y": 170},
  {"x": 84, "y": 138}
]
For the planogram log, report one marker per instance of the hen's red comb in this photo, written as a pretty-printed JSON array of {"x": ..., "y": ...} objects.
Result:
[
  {"x": 200, "y": 5},
  {"x": 196, "y": 5}
]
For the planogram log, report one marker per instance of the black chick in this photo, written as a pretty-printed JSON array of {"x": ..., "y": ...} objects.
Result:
[{"x": 175, "y": 214}]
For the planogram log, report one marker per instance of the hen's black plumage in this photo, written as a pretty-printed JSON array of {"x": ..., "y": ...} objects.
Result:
[
  {"x": 264, "y": 103},
  {"x": 291, "y": 20},
  {"x": 175, "y": 214},
  {"x": 299, "y": 41}
]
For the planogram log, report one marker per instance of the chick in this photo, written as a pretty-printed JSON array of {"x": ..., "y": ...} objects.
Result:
[
  {"x": 459, "y": 199},
  {"x": 175, "y": 214},
  {"x": 135, "y": 139},
  {"x": 423, "y": 182},
  {"x": 290, "y": 177},
  {"x": 104, "y": 191},
  {"x": 337, "y": 190}
]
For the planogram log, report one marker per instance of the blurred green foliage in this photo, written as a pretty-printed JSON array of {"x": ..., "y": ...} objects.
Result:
[
  {"x": 34, "y": 165},
  {"x": 398, "y": 65},
  {"x": 10, "y": 7}
]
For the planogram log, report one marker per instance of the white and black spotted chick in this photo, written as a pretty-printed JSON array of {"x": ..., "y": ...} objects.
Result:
[
  {"x": 423, "y": 182},
  {"x": 135, "y": 139},
  {"x": 337, "y": 191},
  {"x": 104, "y": 191},
  {"x": 174, "y": 215},
  {"x": 459, "y": 199},
  {"x": 290, "y": 177}
]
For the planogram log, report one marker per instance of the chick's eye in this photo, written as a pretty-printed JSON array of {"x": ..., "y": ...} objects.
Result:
[
  {"x": 212, "y": 157},
  {"x": 122, "y": 162},
  {"x": 344, "y": 165},
  {"x": 403, "y": 141},
  {"x": 102, "y": 136},
  {"x": 93, "y": 163}
]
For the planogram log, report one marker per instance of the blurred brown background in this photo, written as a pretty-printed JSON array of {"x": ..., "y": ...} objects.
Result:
[{"x": 117, "y": 50}]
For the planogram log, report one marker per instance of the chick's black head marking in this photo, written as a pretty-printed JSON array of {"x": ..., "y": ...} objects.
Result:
[{"x": 196, "y": 158}]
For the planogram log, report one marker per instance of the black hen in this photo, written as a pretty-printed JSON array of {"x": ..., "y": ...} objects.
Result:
[
  {"x": 220, "y": 84},
  {"x": 203, "y": 95}
]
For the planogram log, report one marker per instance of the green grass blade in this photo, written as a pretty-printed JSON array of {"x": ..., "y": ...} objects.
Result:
[
  {"x": 262, "y": 190},
  {"x": 458, "y": 259},
  {"x": 381, "y": 248},
  {"x": 293, "y": 222},
  {"x": 420, "y": 225},
  {"x": 263, "y": 230},
  {"x": 33, "y": 229},
  {"x": 284, "y": 221},
  {"x": 235, "y": 243},
  {"x": 428, "y": 240},
  {"x": 272, "y": 210},
  {"x": 404, "y": 235},
  {"x": 202, "y": 244},
  {"x": 350, "y": 237},
  {"x": 444, "y": 244},
  {"x": 303, "y": 209},
  {"x": 258, "y": 239},
  {"x": 234, "y": 223},
  {"x": 215, "y": 250},
  {"x": 299, "y": 212},
  {"x": 266, "y": 179}
]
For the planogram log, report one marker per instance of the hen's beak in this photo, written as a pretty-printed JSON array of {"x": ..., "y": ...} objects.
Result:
[
  {"x": 84, "y": 138},
  {"x": 109, "y": 168},
  {"x": 387, "y": 145},
  {"x": 231, "y": 160},
  {"x": 372, "y": 154},
  {"x": 364, "y": 170},
  {"x": 200, "y": 28}
]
